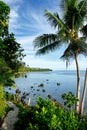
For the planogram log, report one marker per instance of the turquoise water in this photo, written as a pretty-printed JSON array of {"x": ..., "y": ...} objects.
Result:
[{"x": 67, "y": 80}]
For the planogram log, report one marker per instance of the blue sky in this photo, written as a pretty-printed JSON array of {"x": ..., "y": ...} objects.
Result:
[{"x": 27, "y": 21}]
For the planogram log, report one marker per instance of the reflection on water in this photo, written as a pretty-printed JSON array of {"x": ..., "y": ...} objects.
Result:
[{"x": 54, "y": 83}]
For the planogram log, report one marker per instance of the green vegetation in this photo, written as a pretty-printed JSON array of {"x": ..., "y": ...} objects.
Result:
[
  {"x": 11, "y": 55},
  {"x": 48, "y": 115},
  {"x": 68, "y": 27},
  {"x": 38, "y": 69},
  {"x": 23, "y": 70},
  {"x": 3, "y": 105},
  {"x": 29, "y": 69},
  {"x": 69, "y": 100},
  {"x": 4, "y": 70}
]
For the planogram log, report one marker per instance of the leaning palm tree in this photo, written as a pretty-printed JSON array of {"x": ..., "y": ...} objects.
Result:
[
  {"x": 83, "y": 94},
  {"x": 68, "y": 29}
]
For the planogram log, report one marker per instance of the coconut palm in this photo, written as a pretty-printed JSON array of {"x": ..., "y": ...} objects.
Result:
[
  {"x": 84, "y": 94},
  {"x": 68, "y": 29}
]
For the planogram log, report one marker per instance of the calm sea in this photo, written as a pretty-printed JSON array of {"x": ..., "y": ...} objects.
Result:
[{"x": 66, "y": 79}]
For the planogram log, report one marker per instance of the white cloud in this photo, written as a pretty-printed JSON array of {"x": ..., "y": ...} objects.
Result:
[
  {"x": 27, "y": 44},
  {"x": 14, "y": 13},
  {"x": 13, "y": 19},
  {"x": 9, "y": 2},
  {"x": 31, "y": 19},
  {"x": 31, "y": 22},
  {"x": 40, "y": 62},
  {"x": 41, "y": 23},
  {"x": 34, "y": 61},
  {"x": 26, "y": 39},
  {"x": 50, "y": 60}
]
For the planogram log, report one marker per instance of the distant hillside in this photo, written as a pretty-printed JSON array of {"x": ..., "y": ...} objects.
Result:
[
  {"x": 37, "y": 69},
  {"x": 29, "y": 69},
  {"x": 22, "y": 70}
]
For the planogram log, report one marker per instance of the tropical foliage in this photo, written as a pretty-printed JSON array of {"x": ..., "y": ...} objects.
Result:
[
  {"x": 3, "y": 105},
  {"x": 10, "y": 51},
  {"x": 69, "y": 100},
  {"x": 69, "y": 26},
  {"x": 48, "y": 115},
  {"x": 4, "y": 17},
  {"x": 10, "y": 55}
]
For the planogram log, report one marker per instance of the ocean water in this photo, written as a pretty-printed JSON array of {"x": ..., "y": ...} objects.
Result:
[{"x": 67, "y": 80}]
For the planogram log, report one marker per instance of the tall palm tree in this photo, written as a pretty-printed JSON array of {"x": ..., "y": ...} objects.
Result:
[
  {"x": 68, "y": 29},
  {"x": 83, "y": 94}
]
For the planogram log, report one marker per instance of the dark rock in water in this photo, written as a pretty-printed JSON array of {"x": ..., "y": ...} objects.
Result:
[
  {"x": 41, "y": 85},
  {"x": 38, "y": 89},
  {"x": 27, "y": 94},
  {"x": 58, "y": 84},
  {"x": 34, "y": 94},
  {"x": 49, "y": 96},
  {"x": 47, "y": 80},
  {"x": 43, "y": 90},
  {"x": 25, "y": 76},
  {"x": 24, "y": 93},
  {"x": 31, "y": 86},
  {"x": 9, "y": 88}
]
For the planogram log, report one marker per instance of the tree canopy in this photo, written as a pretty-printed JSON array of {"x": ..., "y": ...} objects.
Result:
[
  {"x": 11, "y": 53},
  {"x": 4, "y": 18}
]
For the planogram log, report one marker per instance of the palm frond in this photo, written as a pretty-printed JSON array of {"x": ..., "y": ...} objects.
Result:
[
  {"x": 66, "y": 3},
  {"x": 84, "y": 30},
  {"x": 54, "y": 19},
  {"x": 68, "y": 30},
  {"x": 73, "y": 3},
  {"x": 83, "y": 8},
  {"x": 76, "y": 13},
  {"x": 50, "y": 47},
  {"x": 77, "y": 47},
  {"x": 67, "y": 53},
  {"x": 44, "y": 40},
  {"x": 73, "y": 19}
]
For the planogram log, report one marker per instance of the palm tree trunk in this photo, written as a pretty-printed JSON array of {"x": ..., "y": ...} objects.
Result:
[
  {"x": 77, "y": 106},
  {"x": 84, "y": 94}
]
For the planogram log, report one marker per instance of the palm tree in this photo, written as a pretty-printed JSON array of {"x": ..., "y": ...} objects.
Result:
[
  {"x": 84, "y": 94},
  {"x": 68, "y": 29}
]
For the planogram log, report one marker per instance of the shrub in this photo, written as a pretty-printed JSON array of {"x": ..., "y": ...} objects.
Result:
[
  {"x": 83, "y": 123},
  {"x": 9, "y": 96},
  {"x": 47, "y": 115},
  {"x": 3, "y": 105}
]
